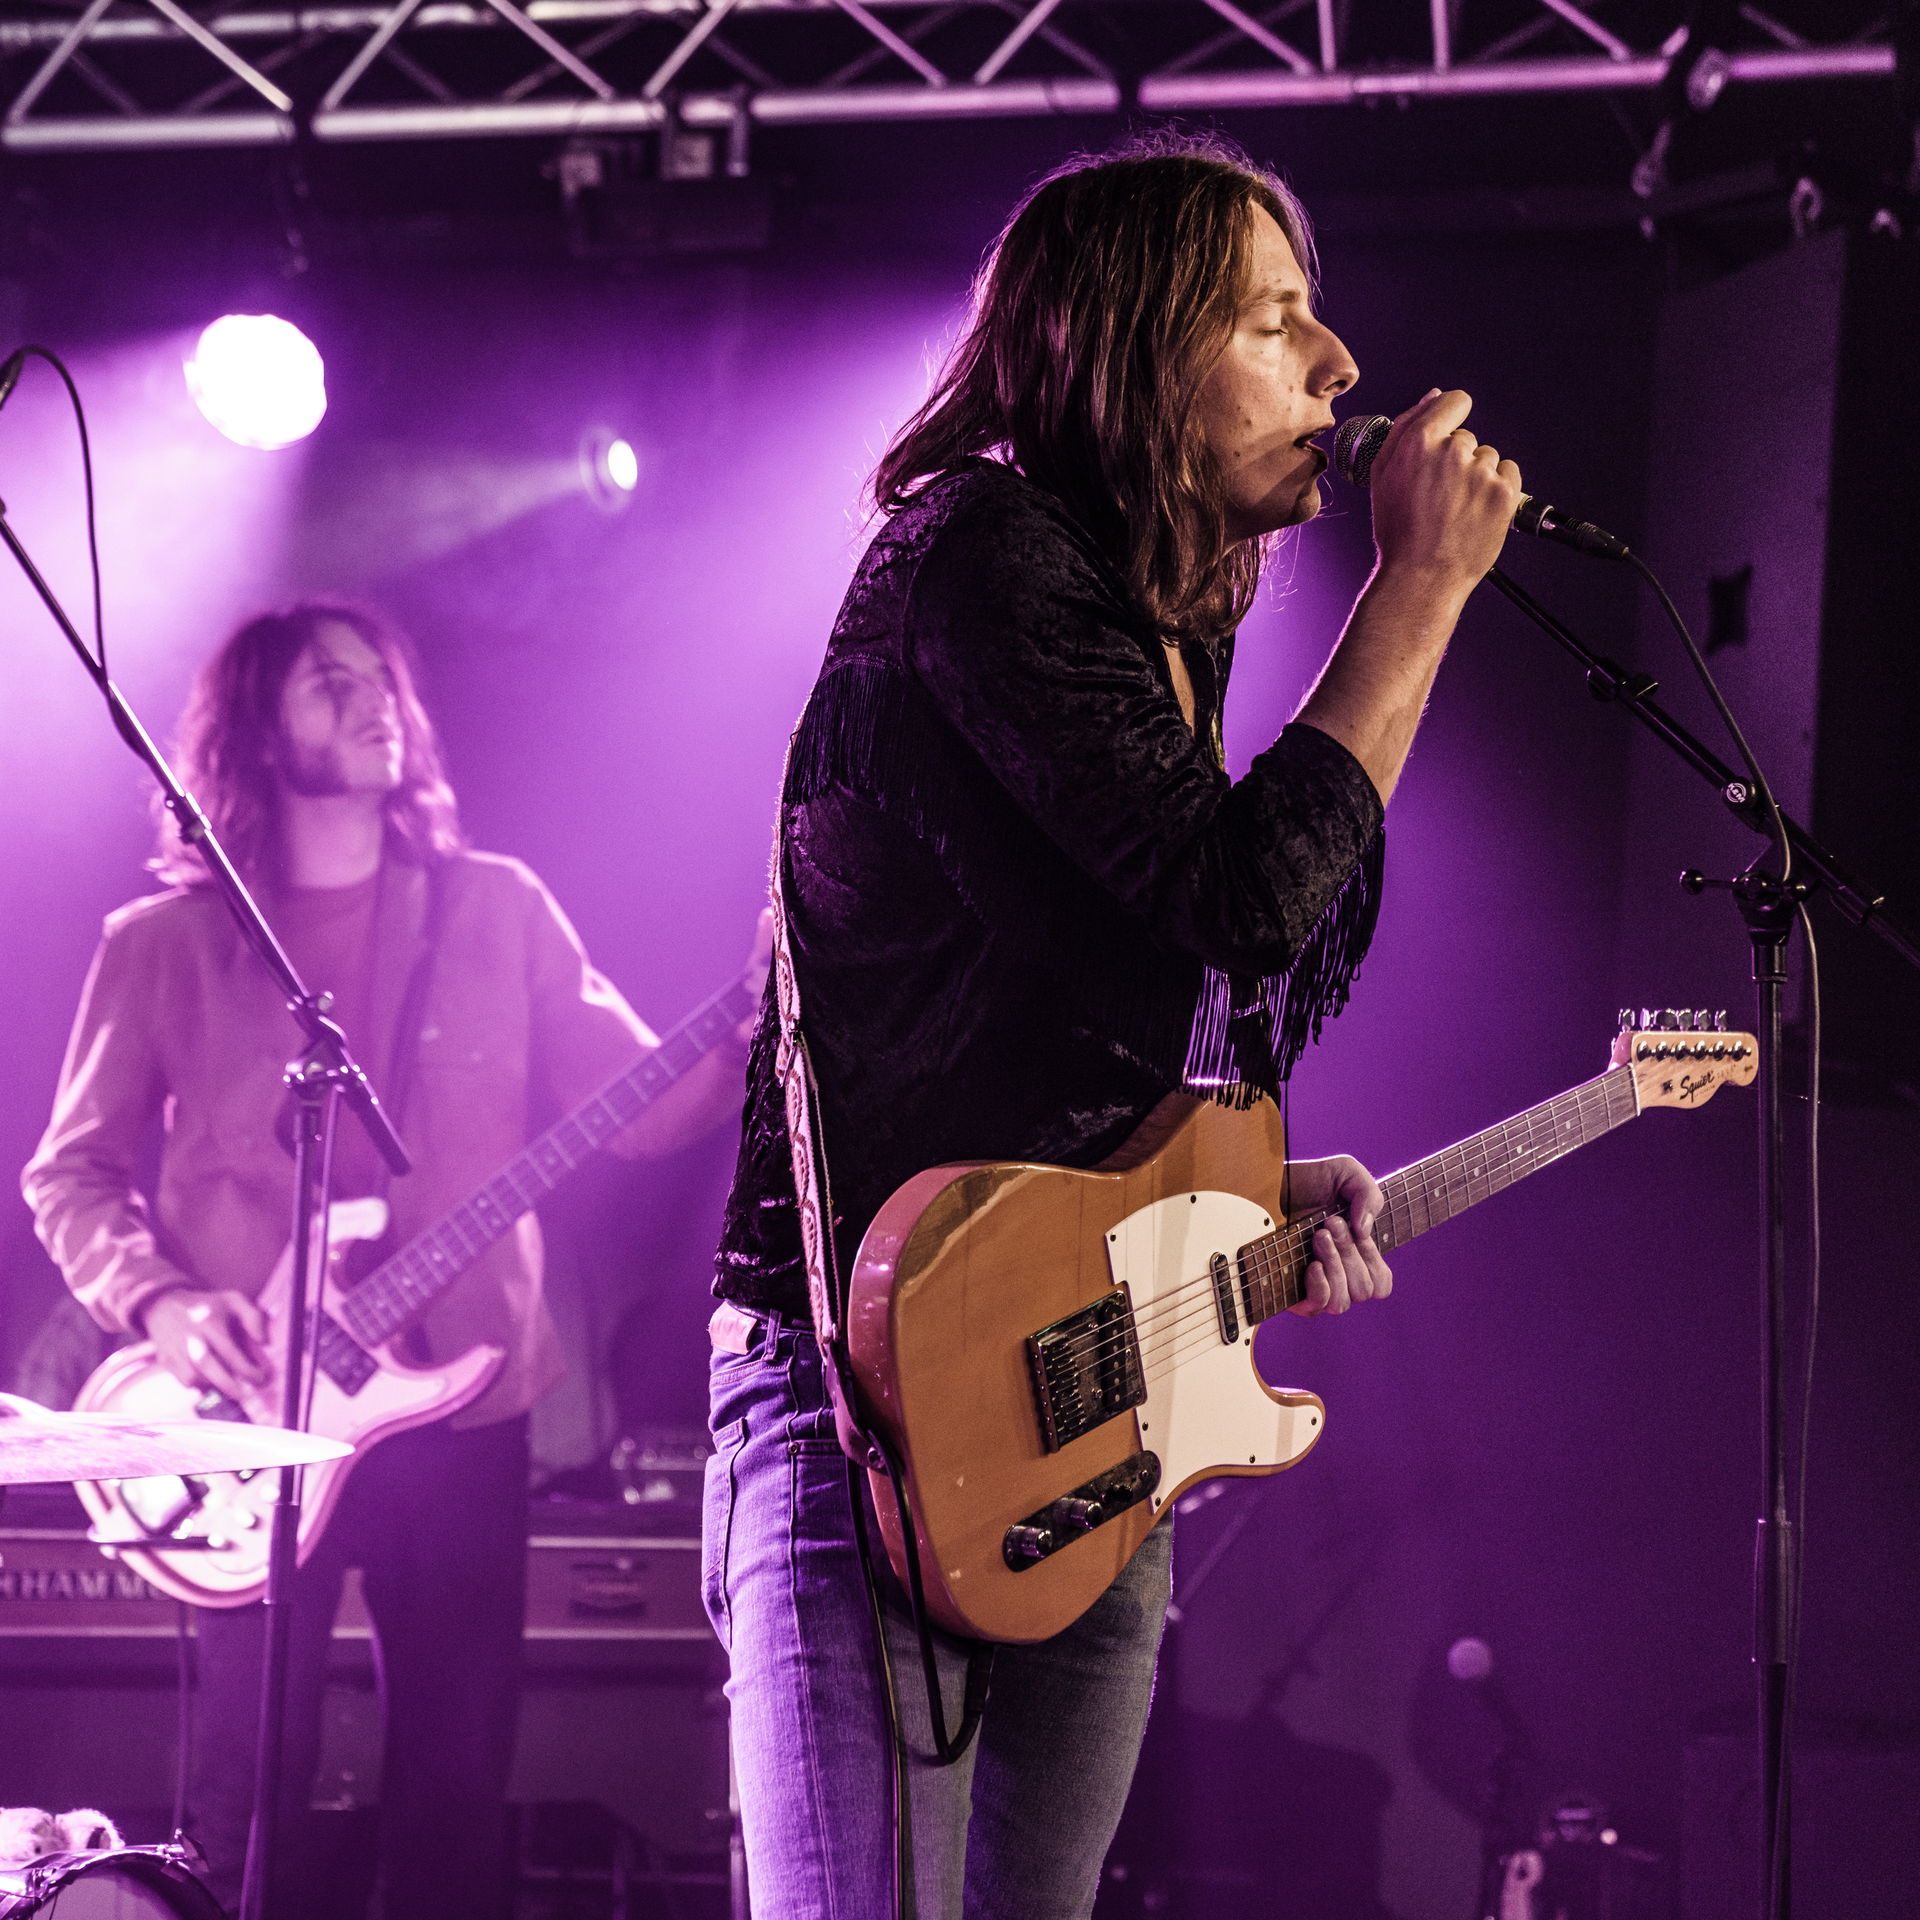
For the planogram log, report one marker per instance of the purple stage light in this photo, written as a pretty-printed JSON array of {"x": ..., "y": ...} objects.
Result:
[{"x": 258, "y": 379}]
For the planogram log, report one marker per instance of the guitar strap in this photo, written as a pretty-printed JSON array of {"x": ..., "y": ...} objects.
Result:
[
  {"x": 801, "y": 1093},
  {"x": 826, "y": 1297},
  {"x": 403, "y": 1057},
  {"x": 409, "y": 1023}
]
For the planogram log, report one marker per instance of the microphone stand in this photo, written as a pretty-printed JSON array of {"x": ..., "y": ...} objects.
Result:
[
  {"x": 324, "y": 1074},
  {"x": 1767, "y": 907}
]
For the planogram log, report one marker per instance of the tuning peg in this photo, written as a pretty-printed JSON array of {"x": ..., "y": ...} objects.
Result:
[
  {"x": 1683, "y": 1019},
  {"x": 1646, "y": 1019},
  {"x": 1626, "y": 1019},
  {"x": 1702, "y": 1023},
  {"x": 1720, "y": 1021}
]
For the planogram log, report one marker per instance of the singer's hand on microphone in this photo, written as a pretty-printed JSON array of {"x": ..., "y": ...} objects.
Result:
[{"x": 1442, "y": 502}]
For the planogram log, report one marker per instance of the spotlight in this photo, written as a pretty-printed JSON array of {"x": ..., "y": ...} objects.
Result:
[
  {"x": 258, "y": 379},
  {"x": 623, "y": 466},
  {"x": 609, "y": 469}
]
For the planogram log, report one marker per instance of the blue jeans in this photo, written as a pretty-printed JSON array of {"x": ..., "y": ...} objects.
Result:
[{"x": 1018, "y": 1828}]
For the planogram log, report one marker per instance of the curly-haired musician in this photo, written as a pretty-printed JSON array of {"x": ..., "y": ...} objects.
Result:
[{"x": 468, "y": 998}]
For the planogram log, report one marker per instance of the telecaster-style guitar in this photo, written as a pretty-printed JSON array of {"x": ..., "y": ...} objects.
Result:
[
  {"x": 1055, "y": 1355},
  {"x": 362, "y": 1390}
]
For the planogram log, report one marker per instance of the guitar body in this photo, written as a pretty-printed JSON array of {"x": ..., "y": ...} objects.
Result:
[
  {"x": 237, "y": 1509},
  {"x": 363, "y": 1391},
  {"x": 1054, "y": 1355},
  {"x": 959, "y": 1270}
]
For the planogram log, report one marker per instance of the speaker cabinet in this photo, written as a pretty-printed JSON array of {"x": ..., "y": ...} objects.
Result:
[{"x": 1782, "y": 509}]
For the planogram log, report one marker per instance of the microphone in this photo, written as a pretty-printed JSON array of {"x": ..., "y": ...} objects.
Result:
[
  {"x": 1470, "y": 1661},
  {"x": 1358, "y": 443}
]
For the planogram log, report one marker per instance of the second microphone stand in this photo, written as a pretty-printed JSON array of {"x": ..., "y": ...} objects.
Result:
[
  {"x": 1768, "y": 903},
  {"x": 324, "y": 1074}
]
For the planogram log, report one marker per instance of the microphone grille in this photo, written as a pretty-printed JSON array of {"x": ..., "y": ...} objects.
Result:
[{"x": 1357, "y": 444}]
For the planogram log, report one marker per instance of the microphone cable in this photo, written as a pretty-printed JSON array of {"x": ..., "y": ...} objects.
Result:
[{"x": 14, "y": 365}]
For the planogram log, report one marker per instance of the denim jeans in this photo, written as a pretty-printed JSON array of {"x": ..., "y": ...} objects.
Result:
[
  {"x": 1018, "y": 1828},
  {"x": 437, "y": 1521}
]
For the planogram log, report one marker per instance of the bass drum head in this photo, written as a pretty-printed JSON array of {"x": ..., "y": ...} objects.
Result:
[{"x": 130, "y": 1883}]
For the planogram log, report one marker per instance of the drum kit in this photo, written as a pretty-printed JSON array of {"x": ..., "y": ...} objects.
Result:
[{"x": 38, "y": 1446}]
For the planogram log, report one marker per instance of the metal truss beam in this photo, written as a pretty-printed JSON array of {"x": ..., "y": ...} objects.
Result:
[{"x": 144, "y": 74}]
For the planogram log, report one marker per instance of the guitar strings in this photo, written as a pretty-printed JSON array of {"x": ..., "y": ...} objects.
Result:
[
  {"x": 1164, "y": 1338},
  {"x": 1162, "y": 1330}
]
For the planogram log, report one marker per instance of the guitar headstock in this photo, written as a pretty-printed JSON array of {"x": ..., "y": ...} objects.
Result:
[{"x": 1681, "y": 1058}]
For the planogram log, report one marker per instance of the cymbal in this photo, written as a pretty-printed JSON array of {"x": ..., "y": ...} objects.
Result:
[{"x": 38, "y": 1444}]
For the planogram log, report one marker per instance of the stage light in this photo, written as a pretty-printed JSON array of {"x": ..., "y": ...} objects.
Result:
[
  {"x": 623, "y": 466},
  {"x": 609, "y": 468},
  {"x": 258, "y": 379}
]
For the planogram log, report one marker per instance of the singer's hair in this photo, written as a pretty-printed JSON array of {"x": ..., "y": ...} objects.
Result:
[
  {"x": 1096, "y": 316},
  {"x": 230, "y": 737}
]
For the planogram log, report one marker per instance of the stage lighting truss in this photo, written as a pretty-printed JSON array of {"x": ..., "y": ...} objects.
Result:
[{"x": 101, "y": 74}]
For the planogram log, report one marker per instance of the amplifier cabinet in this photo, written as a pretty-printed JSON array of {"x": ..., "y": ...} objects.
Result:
[
  {"x": 55, "y": 1584},
  {"x": 621, "y": 1703}
]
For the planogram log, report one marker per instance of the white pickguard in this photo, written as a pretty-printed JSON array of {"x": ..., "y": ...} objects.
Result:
[{"x": 1209, "y": 1409}]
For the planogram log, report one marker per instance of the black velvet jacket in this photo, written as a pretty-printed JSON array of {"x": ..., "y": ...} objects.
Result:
[{"x": 1024, "y": 898}]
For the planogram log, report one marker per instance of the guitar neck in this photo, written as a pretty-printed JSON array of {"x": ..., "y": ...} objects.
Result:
[
  {"x": 1430, "y": 1191},
  {"x": 402, "y": 1288}
]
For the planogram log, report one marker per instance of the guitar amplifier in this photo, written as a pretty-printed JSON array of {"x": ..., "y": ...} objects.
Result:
[
  {"x": 602, "y": 1573},
  {"x": 56, "y": 1584},
  {"x": 620, "y": 1704}
]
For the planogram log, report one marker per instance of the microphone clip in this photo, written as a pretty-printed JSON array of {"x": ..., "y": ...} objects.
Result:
[{"x": 1548, "y": 523}]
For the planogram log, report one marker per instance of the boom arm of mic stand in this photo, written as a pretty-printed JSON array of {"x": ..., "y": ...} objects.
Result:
[
  {"x": 1609, "y": 680},
  {"x": 324, "y": 1038}
]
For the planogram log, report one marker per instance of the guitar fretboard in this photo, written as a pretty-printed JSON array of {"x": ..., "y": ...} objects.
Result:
[
  {"x": 399, "y": 1290},
  {"x": 1433, "y": 1190}
]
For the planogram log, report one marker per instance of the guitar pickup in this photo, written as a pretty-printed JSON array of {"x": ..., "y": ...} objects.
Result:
[
  {"x": 1061, "y": 1522},
  {"x": 342, "y": 1358},
  {"x": 1221, "y": 1270},
  {"x": 1086, "y": 1369}
]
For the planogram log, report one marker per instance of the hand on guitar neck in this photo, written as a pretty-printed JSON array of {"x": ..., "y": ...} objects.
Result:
[
  {"x": 1347, "y": 1267},
  {"x": 210, "y": 1337}
]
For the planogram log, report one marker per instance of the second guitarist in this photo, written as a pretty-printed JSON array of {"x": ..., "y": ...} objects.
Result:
[{"x": 307, "y": 744}]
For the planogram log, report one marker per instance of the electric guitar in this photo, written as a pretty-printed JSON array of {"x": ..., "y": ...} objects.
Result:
[
  {"x": 1055, "y": 1355},
  {"x": 362, "y": 1390}
]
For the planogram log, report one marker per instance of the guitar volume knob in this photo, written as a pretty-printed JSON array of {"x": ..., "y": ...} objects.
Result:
[
  {"x": 1075, "y": 1515},
  {"x": 1028, "y": 1543}
]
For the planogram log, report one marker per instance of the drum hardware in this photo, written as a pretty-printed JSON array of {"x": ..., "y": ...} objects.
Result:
[
  {"x": 128, "y": 1883},
  {"x": 38, "y": 1445}
]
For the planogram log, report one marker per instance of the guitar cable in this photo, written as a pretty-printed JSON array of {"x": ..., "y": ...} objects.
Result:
[
  {"x": 904, "y": 1897},
  {"x": 979, "y": 1669}
]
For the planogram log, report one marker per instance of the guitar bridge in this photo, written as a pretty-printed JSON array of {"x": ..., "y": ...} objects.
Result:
[{"x": 1086, "y": 1369}]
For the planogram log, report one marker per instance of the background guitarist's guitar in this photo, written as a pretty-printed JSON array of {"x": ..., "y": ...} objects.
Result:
[
  {"x": 362, "y": 1391},
  {"x": 1057, "y": 1354}
]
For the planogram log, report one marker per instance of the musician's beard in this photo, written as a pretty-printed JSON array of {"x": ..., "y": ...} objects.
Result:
[{"x": 321, "y": 773}]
